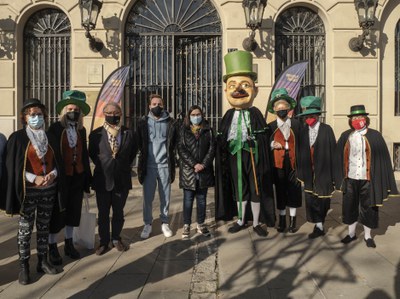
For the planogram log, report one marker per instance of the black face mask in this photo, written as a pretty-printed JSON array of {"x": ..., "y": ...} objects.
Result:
[
  {"x": 73, "y": 115},
  {"x": 157, "y": 110},
  {"x": 113, "y": 119},
  {"x": 282, "y": 113}
]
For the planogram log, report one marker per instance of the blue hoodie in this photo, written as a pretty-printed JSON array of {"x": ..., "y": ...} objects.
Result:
[{"x": 158, "y": 133}]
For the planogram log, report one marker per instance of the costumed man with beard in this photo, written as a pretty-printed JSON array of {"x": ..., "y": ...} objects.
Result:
[
  {"x": 365, "y": 174},
  {"x": 71, "y": 136},
  {"x": 242, "y": 162},
  {"x": 284, "y": 144},
  {"x": 316, "y": 163}
]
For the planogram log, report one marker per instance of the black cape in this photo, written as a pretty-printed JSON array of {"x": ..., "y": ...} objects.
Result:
[
  {"x": 16, "y": 149},
  {"x": 225, "y": 204},
  {"x": 320, "y": 182},
  {"x": 383, "y": 184}
]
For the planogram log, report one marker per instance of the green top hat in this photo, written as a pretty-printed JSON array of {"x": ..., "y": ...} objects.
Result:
[
  {"x": 357, "y": 110},
  {"x": 75, "y": 97},
  {"x": 310, "y": 105},
  {"x": 280, "y": 94},
  {"x": 239, "y": 63}
]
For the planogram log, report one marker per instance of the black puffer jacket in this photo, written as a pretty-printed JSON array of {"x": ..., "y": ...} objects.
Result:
[{"x": 193, "y": 151}]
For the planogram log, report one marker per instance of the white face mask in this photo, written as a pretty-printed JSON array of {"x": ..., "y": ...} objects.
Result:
[
  {"x": 36, "y": 122},
  {"x": 196, "y": 119}
]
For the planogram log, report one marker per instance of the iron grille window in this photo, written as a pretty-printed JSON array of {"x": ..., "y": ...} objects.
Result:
[
  {"x": 300, "y": 35},
  {"x": 396, "y": 156},
  {"x": 47, "y": 58},
  {"x": 175, "y": 49},
  {"x": 397, "y": 71}
]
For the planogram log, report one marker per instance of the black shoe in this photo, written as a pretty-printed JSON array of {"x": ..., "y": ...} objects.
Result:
[
  {"x": 370, "y": 243},
  {"x": 69, "y": 249},
  {"x": 44, "y": 266},
  {"x": 54, "y": 257},
  {"x": 235, "y": 228},
  {"x": 292, "y": 225},
  {"x": 259, "y": 231},
  {"x": 348, "y": 239},
  {"x": 282, "y": 223},
  {"x": 102, "y": 249},
  {"x": 23, "y": 276},
  {"x": 316, "y": 233}
]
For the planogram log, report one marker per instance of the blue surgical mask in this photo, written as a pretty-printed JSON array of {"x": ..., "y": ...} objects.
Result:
[
  {"x": 36, "y": 122},
  {"x": 196, "y": 119}
]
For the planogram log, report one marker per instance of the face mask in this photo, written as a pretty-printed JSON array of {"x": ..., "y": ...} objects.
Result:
[
  {"x": 282, "y": 113},
  {"x": 358, "y": 124},
  {"x": 195, "y": 119},
  {"x": 311, "y": 121},
  {"x": 73, "y": 115},
  {"x": 157, "y": 110},
  {"x": 113, "y": 119},
  {"x": 36, "y": 122}
]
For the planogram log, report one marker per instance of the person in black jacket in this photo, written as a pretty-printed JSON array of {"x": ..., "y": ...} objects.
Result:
[
  {"x": 71, "y": 140},
  {"x": 157, "y": 139},
  {"x": 112, "y": 149},
  {"x": 196, "y": 149}
]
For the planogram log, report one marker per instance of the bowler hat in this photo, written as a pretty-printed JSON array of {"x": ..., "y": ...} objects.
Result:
[
  {"x": 357, "y": 110},
  {"x": 280, "y": 94},
  {"x": 310, "y": 105},
  {"x": 239, "y": 63},
  {"x": 74, "y": 97},
  {"x": 32, "y": 102}
]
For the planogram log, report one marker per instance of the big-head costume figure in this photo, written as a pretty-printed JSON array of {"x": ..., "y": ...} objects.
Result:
[{"x": 242, "y": 162}]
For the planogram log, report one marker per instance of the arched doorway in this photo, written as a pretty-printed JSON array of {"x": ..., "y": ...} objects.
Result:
[
  {"x": 175, "y": 49},
  {"x": 47, "y": 37},
  {"x": 300, "y": 35}
]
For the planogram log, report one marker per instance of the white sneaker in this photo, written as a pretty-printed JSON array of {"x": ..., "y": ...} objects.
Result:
[
  {"x": 166, "y": 230},
  {"x": 146, "y": 231}
]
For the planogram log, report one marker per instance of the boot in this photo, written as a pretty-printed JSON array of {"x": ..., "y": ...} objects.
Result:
[
  {"x": 70, "y": 250},
  {"x": 54, "y": 257},
  {"x": 44, "y": 266},
  {"x": 282, "y": 223},
  {"x": 23, "y": 276},
  {"x": 292, "y": 224}
]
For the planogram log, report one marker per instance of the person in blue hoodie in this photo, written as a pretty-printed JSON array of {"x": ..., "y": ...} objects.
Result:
[{"x": 157, "y": 138}]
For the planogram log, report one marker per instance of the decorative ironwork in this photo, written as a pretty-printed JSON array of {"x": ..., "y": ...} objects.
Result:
[
  {"x": 47, "y": 37},
  {"x": 175, "y": 49},
  {"x": 300, "y": 35},
  {"x": 397, "y": 70}
]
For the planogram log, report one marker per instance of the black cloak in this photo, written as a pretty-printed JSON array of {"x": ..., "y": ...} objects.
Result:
[
  {"x": 319, "y": 181},
  {"x": 225, "y": 204},
  {"x": 17, "y": 146},
  {"x": 383, "y": 184}
]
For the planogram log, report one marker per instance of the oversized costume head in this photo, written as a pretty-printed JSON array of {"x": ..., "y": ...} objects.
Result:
[{"x": 239, "y": 78}]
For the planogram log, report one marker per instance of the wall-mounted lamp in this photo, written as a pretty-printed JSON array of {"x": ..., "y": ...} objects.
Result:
[
  {"x": 366, "y": 18},
  {"x": 253, "y": 11},
  {"x": 90, "y": 10}
]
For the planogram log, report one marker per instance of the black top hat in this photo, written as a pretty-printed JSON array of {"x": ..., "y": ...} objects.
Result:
[
  {"x": 357, "y": 110},
  {"x": 33, "y": 102}
]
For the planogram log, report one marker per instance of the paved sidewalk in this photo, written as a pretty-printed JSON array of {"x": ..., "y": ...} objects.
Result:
[{"x": 241, "y": 265}]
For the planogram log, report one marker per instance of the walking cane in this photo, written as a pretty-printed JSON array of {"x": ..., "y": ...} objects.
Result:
[{"x": 254, "y": 168}]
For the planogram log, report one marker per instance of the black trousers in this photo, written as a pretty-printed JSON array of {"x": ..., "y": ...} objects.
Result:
[
  {"x": 74, "y": 199},
  {"x": 316, "y": 208},
  {"x": 288, "y": 188},
  {"x": 39, "y": 201},
  {"x": 105, "y": 201},
  {"x": 248, "y": 185},
  {"x": 356, "y": 204}
]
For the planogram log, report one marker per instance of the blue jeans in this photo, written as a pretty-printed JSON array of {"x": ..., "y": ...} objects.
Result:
[
  {"x": 154, "y": 177},
  {"x": 188, "y": 199}
]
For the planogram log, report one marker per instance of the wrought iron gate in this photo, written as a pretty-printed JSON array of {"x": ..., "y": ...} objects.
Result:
[
  {"x": 47, "y": 57},
  {"x": 300, "y": 35},
  {"x": 175, "y": 49}
]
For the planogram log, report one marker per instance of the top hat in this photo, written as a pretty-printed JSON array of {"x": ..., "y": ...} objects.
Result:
[
  {"x": 357, "y": 110},
  {"x": 74, "y": 97},
  {"x": 310, "y": 105},
  {"x": 280, "y": 94},
  {"x": 32, "y": 102},
  {"x": 239, "y": 63}
]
